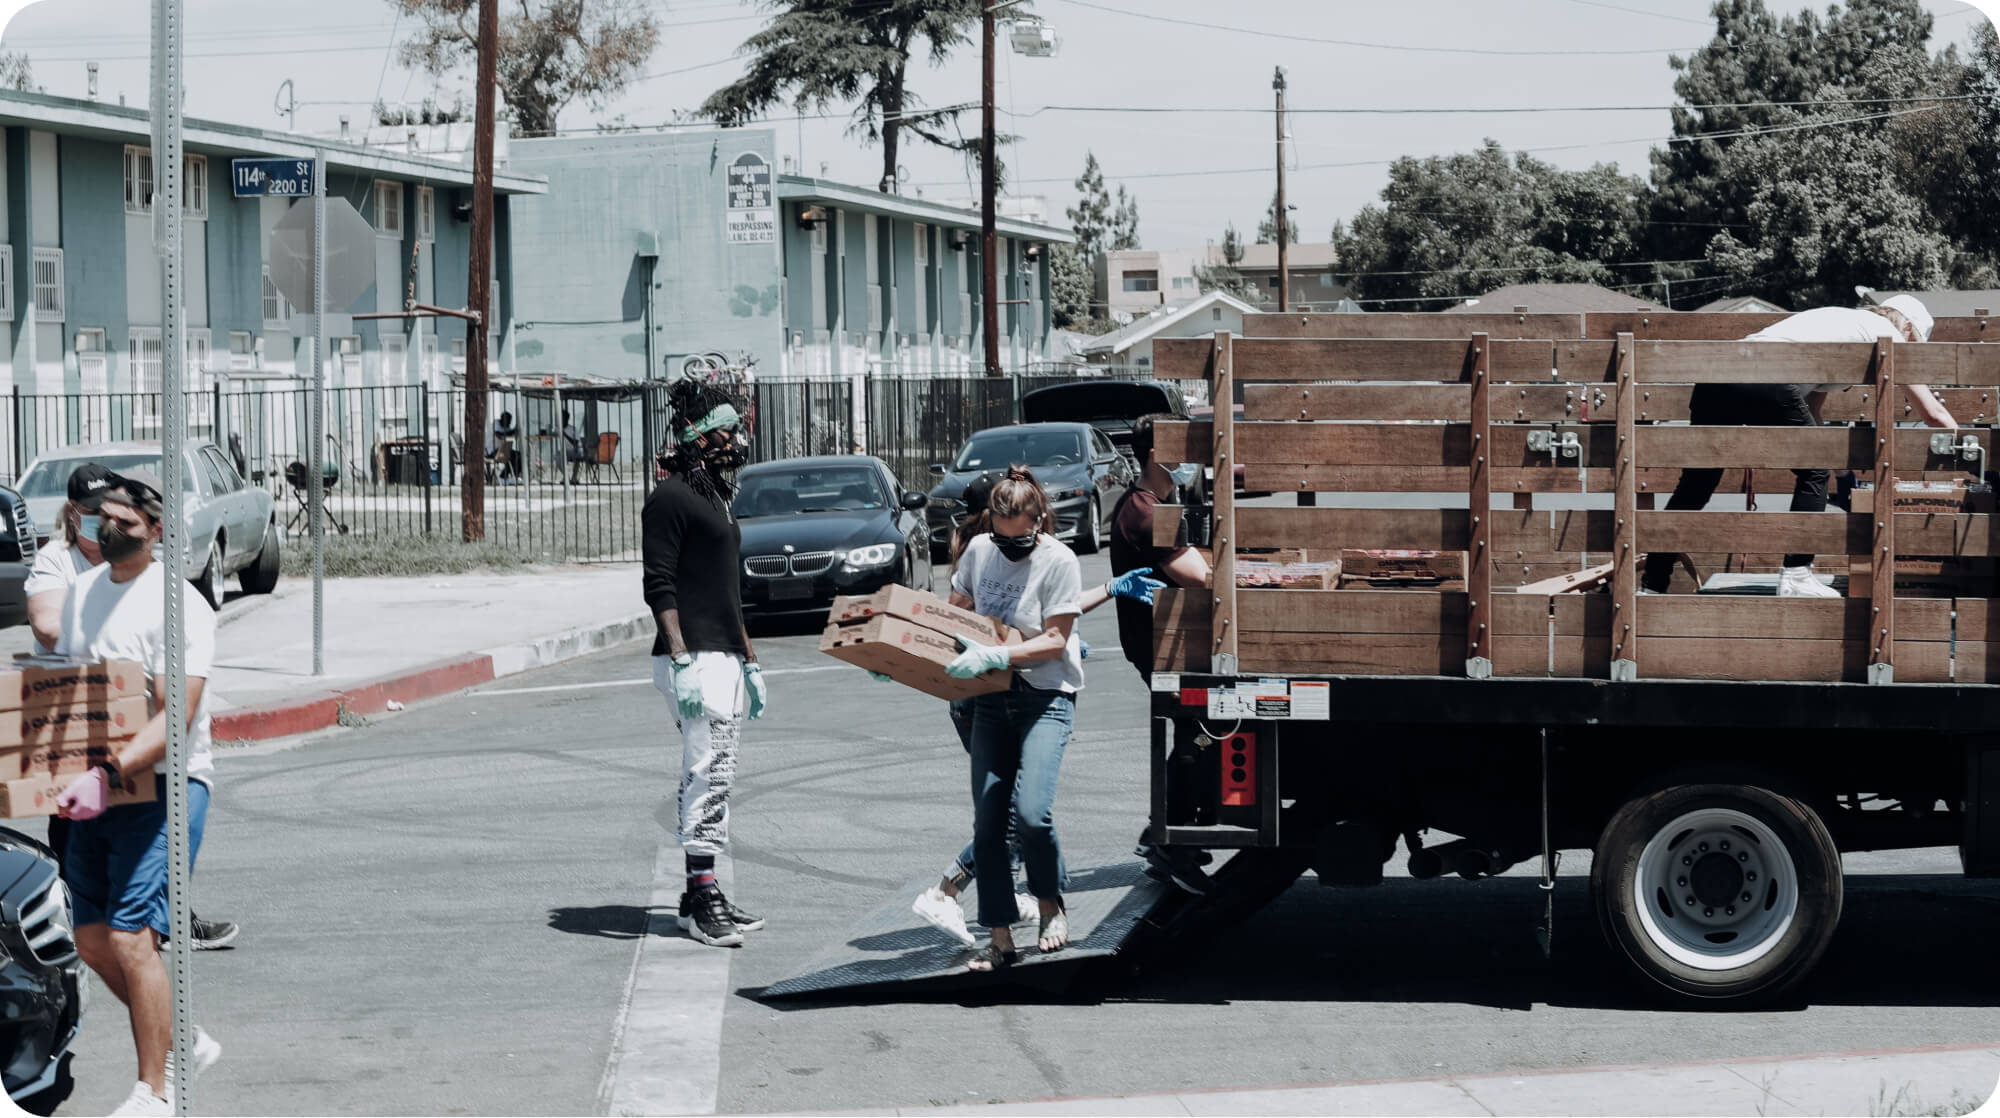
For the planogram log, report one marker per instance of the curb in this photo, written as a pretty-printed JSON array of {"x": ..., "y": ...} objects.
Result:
[{"x": 318, "y": 710}]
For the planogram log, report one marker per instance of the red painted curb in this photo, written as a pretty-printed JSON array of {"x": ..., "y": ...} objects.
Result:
[{"x": 321, "y": 709}]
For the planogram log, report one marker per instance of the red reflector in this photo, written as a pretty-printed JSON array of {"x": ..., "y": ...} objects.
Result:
[
  {"x": 1238, "y": 754},
  {"x": 1194, "y": 697}
]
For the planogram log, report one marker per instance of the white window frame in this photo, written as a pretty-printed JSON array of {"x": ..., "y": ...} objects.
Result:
[
  {"x": 48, "y": 273},
  {"x": 198, "y": 378},
  {"x": 140, "y": 183},
  {"x": 242, "y": 350},
  {"x": 145, "y": 356},
  {"x": 274, "y": 300},
  {"x": 426, "y": 214},
  {"x": 194, "y": 187},
  {"x": 388, "y": 217}
]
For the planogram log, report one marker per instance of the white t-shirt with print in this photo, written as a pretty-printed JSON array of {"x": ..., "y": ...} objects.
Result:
[
  {"x": 1828, "y": 324},
  {"x": 56, "y": 568},
  {"x": 109, "y": 620},
  {"x": 1025, "y": 594}
]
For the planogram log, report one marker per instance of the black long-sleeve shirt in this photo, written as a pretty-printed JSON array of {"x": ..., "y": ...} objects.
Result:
[{"x": 691, "y": 547}]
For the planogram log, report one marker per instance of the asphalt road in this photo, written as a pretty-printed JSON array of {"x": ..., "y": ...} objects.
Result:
[{"x": 441, "y": 910}]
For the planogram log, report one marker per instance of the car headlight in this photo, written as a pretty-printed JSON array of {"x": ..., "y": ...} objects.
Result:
[
  {"x": 874, "y": 555},
  {"x": 1068, "y": 494}
]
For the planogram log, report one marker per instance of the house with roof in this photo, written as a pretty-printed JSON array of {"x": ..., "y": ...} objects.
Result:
[
  {"x": 1139, "y": 281},
  {"x": 1129, "y": 350},
  {"x": 1742, "y": 304},
  {"x": 1550, "y": 298}
]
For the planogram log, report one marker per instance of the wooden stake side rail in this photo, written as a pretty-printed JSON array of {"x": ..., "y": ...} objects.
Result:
[
  {"x": 1487, "y": 415},
  {"x": 1644, "y": 325}
]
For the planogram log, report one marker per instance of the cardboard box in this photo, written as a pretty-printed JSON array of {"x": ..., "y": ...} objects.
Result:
[
  {"x": 80, "y": 723},
  {"x": 928, "y": 610},
  {"x": 36, "y": 795},
  {"x": 61, "y": 760},
  {"x": 1948, "y": 498},
  {"x": 1407, "y": 565},
  {"x": 910, "y": 654},
  {"x": 1253, "y": 573},
  {"x": 1276, "y": 555},
  {"x": 40, "y": 681}
]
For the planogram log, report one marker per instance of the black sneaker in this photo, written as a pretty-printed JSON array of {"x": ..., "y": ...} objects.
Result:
[
  {"x": 705, "y": 917},
  {"x": 209, "y": 935},
  {"x": 1179, "y": 868},
  {"x": 743, "y": 920}
]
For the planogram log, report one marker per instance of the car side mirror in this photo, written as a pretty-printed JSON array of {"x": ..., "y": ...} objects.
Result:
[
  {"x": 915, "y": 500},
  {"x": 937, "y": 468}
]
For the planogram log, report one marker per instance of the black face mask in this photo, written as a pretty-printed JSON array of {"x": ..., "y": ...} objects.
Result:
[
  {"x": 729, "y": 455},
  {"x": 115, "y": 543},
  {"x": 1016, "y": 548}
]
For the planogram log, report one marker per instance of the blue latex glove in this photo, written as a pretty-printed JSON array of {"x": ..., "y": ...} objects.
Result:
[
  {"x": 687, "y": 690},
  {"x": 880, "y": 678},
  {"x": 1136, "y": 586},
  {"x": 1084, "y": 646},
  {"x": 977, "y": 659},
  {"x": 753, "y": 680}
]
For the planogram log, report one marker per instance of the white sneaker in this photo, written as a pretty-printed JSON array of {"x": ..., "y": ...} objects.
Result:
[
  {"x": 207, "y": 1050},
  {"x": 1027, "y": 907},
  {"x": 1800, "y": 582},
  {"x": 942, "y": 912},
  {"x": 142, "y": 1100}
]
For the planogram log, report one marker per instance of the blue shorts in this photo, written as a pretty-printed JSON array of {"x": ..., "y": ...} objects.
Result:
[{"x": 116, "y": 864}]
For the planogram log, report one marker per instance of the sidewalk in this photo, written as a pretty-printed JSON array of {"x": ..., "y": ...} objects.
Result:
[
  {"x": 400, "y": 640},
  {"x": 1942, "y": 1079}
]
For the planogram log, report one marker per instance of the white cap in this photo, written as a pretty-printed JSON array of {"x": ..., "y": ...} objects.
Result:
[{"x": 1913, "y": 310}]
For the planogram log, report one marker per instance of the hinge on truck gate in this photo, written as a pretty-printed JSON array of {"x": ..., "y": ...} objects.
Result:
[
  {"x": 1943, "y": 447},
  {"x": 1547, "y": 442}
]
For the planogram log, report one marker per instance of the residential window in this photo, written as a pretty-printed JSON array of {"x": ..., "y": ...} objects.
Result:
[
  {"x": 426, "y": 214},
  {"x": 395, "y": 377},
  {"x": 49, "y": 284},
  {"x": 277, "y": 308},
  {"x": 139, "y": 183},
  {"x": 388, "y": 208},
  {"x": 242, "y": 350},
  {"x": 1141, "y": 281},
  {"x": 94, "y": 380},
  {"x": 1182, "y": 283},
  {"x": 143, "y": 353},
  {"x": 923, "y": 236}
]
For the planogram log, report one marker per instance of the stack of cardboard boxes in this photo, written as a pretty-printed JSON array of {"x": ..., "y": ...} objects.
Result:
[
  {"x": 58, "y": 718},
  {"x": 1934, "y": 576},
  {"x": 910, "y": 636}
]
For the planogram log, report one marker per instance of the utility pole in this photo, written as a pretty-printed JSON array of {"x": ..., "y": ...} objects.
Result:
[
  {"x": 1284, "y": 215},
  {"x": 472, "y": 479},
  {"x": 989, "y": 269}
]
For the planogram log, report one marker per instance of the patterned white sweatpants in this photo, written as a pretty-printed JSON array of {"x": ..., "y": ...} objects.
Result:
[{"x": 708, "y": 746}]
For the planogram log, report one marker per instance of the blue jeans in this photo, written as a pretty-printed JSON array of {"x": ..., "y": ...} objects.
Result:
[
  {"x": 967, "y": 863},
  {"x": 1018, "y": 738}
]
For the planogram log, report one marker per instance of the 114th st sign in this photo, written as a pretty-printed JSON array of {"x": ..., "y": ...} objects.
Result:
[{"x": 274, "y": 178}]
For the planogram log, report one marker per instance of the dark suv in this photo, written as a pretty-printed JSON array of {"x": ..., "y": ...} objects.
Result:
[
  {"x": 41, "y": 979},
  {"x": 17, "y": 556}
]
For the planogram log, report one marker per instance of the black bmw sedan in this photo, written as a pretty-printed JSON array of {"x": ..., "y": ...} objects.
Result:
[{"x": 814, "y": 528}]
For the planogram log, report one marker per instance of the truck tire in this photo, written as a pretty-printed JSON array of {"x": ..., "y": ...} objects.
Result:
[{"x": 1718, "y": 892}]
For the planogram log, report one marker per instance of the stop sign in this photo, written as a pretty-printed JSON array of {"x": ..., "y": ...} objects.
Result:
[{"x": 350, "y": 255}]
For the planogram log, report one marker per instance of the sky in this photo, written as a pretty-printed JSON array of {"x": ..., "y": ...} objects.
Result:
[{"x": 1192, "y": 169}]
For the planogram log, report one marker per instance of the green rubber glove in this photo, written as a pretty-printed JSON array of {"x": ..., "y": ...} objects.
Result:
[
  {"x": 880, "y": 678},
  {"x": 687, "y": 689},
  {"x": 977, "y": 659},
  {"x": 753, "y": 679}
]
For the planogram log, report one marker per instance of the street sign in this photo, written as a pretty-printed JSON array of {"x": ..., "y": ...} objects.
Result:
[
  {"x": 350, "y": 255},
  {"x": 751, "y": 218},
  {"x": 271, "y": 178}
]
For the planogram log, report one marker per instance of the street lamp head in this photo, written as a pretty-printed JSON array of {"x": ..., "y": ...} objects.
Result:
[{"x": 1278, "y": 79}]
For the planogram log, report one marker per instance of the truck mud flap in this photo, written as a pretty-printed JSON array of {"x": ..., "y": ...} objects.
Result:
[{"x": 893, "y": 953}]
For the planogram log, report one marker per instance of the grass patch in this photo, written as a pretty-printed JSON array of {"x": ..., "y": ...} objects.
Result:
[
  {"x": 1907, "y": 1102},
  {"x": 403, "y": 556}
]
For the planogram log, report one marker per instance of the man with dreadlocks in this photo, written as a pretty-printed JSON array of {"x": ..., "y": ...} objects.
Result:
[{"x": 702, "y": 659}]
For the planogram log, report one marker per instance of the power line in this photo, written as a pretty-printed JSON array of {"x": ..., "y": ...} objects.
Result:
[
  {"x": 1641, "y": 12},
  {"x": 1291, "y": 37},
  {"x": 1488, "y": 109}
]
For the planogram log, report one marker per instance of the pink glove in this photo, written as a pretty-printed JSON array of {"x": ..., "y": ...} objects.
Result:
[{"x": 86, "y": 797}]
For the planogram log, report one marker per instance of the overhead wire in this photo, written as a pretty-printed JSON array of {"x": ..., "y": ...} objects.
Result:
[{"x": 1292, "y": 37}]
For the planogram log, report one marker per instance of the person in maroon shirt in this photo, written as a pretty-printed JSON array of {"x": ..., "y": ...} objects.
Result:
[{"x": 1133, "y": 549}]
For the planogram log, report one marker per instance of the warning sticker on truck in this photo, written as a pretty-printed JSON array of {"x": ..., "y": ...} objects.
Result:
[{"x": 1271, "y": 700}]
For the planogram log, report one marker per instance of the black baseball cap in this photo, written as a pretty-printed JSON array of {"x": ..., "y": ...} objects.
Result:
[
  {"x": 977, "y": 493},
  {"x": 87, "y": 485}
]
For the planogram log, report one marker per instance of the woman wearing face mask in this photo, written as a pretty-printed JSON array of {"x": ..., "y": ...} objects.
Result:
[
  {"x": 56, "y": 568},
  {"x": 1021, "y": 574}
]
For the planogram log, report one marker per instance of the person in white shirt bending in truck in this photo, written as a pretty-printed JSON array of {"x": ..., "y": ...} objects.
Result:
[
  {"x": 116, "y": 866},
  {"x": 1795, "y": 405}
]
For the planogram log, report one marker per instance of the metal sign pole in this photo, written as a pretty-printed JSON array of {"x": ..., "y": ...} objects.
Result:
[
  {"x": 168, "y": 228},
  {"x": 316, "y": 474}
]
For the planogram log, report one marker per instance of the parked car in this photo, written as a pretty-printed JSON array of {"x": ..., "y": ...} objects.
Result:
[
  {"x": 814, "y": 528},
  {"x": 1111, "y": 406},
  {"x": 1083, "y": 473},
  {"x": 232, "y": 525},
  {"x": 17, "y": 556},
  {"x": 42, "y": 986}
]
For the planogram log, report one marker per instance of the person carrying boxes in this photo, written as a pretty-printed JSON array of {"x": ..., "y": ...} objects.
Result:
[{"x": 116, "y": 865}]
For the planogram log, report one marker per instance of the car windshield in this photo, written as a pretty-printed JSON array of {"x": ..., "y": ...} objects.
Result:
[
  {"x": 782, "y": 492},
  {"x": 50, "y": 477},
  {"x": 996, "y": 450}
]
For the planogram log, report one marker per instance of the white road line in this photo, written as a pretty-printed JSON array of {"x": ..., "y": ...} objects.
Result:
[
  {"x": 666, "y": 1046},
  {"x": 640, "y": 682}
]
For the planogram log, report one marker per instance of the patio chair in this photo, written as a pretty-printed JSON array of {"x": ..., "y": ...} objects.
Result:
[{"x": 607, "y": 455}]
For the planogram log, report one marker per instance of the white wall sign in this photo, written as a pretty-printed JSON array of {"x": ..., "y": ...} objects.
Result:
[{"x": 752, "y": 216}]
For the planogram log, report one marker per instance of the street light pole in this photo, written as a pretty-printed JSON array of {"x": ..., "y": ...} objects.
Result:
[
  {"x": 1284, "y": 215},
  {"x": 989, "y": 270}
]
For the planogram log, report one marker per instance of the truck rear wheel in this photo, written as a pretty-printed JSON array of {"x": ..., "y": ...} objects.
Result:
[{"x": 1718, "y": 891}]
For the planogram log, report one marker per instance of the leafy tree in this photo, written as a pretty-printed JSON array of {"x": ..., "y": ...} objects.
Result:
[
  {"x": 818, "y": 53},
  {"x": 1232, "y": 245},
  {"x": 1125, "y": 222},
  {"x": 15, "y": 72},
  {"x": 1070, "y": 286},
  {"x": 1225, "y": 276},
  {"x": 552, "y": 52},
  {"x": 1456, "y": 225},
  {"x": 1267, "y": 229},
  {"x": 1091, "y": 218},
  {"x": 1979, "y": 197}
]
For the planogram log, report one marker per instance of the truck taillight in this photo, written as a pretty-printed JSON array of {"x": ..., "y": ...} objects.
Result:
[{"x": 1239, "y": 770}]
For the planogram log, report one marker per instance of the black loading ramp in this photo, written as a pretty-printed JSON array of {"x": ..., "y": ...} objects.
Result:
[{"x": 894, "y": 950}]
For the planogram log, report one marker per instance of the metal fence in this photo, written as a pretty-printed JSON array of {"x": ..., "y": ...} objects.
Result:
[{"x": 395, "y": 455}]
